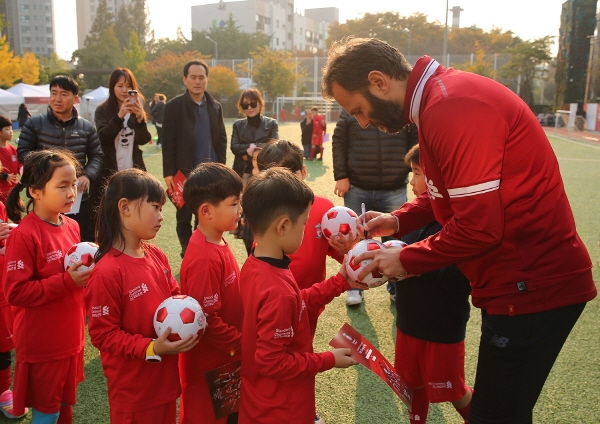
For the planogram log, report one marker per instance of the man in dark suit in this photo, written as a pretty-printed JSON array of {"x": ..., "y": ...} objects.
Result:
[{"x": 193, "y": 133}]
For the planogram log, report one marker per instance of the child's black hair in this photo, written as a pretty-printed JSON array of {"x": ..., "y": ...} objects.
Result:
[
  {"x": 38, "y": 169},
  {"x": 281, "y": 153},
  {"x": 131, "y": 184},
  {"x": 273, "y": 193},
  {"x": 412, "y": 156},
  {"x": 5, "y": 122},
  {"x": 210, "y": 183}
]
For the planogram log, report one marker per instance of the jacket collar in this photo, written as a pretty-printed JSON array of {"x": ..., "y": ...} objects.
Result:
[
  {"x": 420, "y": 75},
  {"x": 209, "y": 99},
  {"x": 53, "y": 118}
]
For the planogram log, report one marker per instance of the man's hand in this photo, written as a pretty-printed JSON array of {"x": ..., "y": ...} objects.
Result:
[
  {"x": 83, "y": 183},
  {"x": 386, "y": 261},
  {"x": 377, "y": 224},
  {"x": 343, "y": 358},
  {"x": 341, "y": 187},
  {"x": 170, "y": 184},
  {"x": 162, "y": 345},
  {"x": 342, "y": 244}
]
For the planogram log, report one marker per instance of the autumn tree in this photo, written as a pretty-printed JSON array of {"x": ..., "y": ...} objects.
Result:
[
  {"x": 222, "y": 82},
  {"x": 30, "y": 68},
  {"x": 479, "y": 66},
  {"x": 165, "y": 74},
  {"x": 10, "y": 66},
  {"x": 525, "y": 65},
  {"x": 273, "y": 71}
]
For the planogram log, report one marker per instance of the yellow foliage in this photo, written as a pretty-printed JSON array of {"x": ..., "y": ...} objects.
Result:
[
  {"x": 30, "y": 68},
  {"x": 10, "y": 67}
]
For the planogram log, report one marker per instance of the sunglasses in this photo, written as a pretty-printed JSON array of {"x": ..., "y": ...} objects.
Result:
[{"x": 252, "y": 105}]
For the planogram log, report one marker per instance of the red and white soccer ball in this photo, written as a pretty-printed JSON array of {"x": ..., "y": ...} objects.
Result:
[
  {"x": 374, "y": 278},
  {"x": 338, "y": 220},
  {"x": 183, "y": 314},
  {"x": 395, "y": 243},
  {"x": 81, "y": 252}
]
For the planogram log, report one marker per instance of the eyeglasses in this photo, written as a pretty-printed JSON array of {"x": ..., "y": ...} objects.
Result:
[{"x": 252, "y": 105}]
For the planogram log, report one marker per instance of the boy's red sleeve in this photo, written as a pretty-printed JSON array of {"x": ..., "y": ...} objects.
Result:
[
  {"x": 203, "y": 282},
  {"x": 275, "y": 334},
  {"x": 103, "y": 308},
  {"x": 320, "y": 294}
]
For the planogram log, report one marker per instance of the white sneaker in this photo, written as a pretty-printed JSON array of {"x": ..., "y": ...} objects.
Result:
[{"x": 354, "y": 297}]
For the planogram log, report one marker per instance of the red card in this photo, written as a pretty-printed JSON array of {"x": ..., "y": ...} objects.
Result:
[
  {"x": 224, "y": 385},
  {"x": 368, "y": 355},
  {"x": 176, "y": 196}
]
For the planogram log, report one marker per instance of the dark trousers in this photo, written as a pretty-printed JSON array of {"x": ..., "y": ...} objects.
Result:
[
  {"x": 184, "y": 226},
  {"x": 159, "y": 135},
  {"x": 516, "y": 354},
  {"x": 85, "y": 221}
]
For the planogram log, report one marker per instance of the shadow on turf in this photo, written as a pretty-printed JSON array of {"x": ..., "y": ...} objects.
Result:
[{"x": 314, "y": 170}]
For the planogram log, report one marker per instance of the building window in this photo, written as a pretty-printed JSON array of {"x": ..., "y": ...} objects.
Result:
[
  {"x": 25, "y": 28},
  {"x": 290, "y": 36},
  {"x": 289, "y": 18},
  {"x": 277, "y": 23},
  {"x": 277, "y": 43},
  {"x": 24, "y": 7},
  {"x": 26, "y": 40},
  {"x": 49, "y": 30},
  {"x": 24, "y": 18}
]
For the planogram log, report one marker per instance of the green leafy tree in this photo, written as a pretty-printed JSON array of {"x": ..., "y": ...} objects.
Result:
[
  {"x": 222, "y": 82},
  {"x": 525, "y": 64},
  {"x": 165, "y": 73},
  {"x": 98, "y": 60},
  {"x": 123, "y": 26},
  {"x": 104, "y": 19},
  {"x": 273, "y": 71},
  {"x": 177, "y": 45},
  {"x": 135, "y": 55},
  {"x": 232, "y": 42},
  {"x": 140, "y": 23},
  {"x": 52, "y": 66}
]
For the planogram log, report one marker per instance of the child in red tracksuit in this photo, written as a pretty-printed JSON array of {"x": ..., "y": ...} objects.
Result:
[
  {"x": 130, "y": 279},
  {"x": 278, "y": 362},
  {"x": 6, "y": 326},
  {"x": 319, "y": 128},
  {"x": 210, "y": 274},
  {"x": 46, "y": 300},
  {"x": 309, "y": 261}
]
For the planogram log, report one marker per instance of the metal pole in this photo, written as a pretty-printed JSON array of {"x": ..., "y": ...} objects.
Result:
[
  {"x": 445, "y": 47},
  {"x": 589, "y": 69},
  {"x": 216, "y": 47}
]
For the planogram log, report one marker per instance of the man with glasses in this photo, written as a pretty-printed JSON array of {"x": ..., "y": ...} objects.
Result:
[{"x": 193, "y": 133}]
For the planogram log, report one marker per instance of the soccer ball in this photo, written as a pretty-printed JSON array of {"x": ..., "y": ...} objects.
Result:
[
  {"x": 183, "y": 314},
  {"x": 374, "y": 279},
  {"x": 338, "y": 220},
  {"x": 81, "y": 252},
  {"x": 395, "y": 243}
]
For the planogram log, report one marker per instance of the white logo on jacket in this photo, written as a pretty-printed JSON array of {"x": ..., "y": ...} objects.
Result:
[
  {"x": 210, "y": 300},
  {"x": 286, "y": 333},
  {"x": 302, "y": 310},
  {"x": 432, "y": 189},
  {"x": 230, "y": 280},
  {"x": 14, "y": 265},
  {"x": 53, "y": 256},
  {"x": 137, "y": 291},
  {"x": 98, "y": 311}
]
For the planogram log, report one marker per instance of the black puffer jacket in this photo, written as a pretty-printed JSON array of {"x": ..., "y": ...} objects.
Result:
[
  {"x": 370, "y": 158},
  {"x": 77, "y": 135}
]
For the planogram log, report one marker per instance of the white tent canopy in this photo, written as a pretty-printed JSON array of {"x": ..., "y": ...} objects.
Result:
[
  {"x": 90, "y": 101},
  {"x": 31, "y": 91},
  {"x": 8, "y": 98}
]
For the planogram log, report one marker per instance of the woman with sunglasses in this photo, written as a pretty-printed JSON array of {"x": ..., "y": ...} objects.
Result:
[{"x": 252, "y": 131}]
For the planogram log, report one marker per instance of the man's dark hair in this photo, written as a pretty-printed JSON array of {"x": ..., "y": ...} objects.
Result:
[
  {"x": 281, "y": 153},
  {"x": 186, "y": 68},
  {"x": 66, "y": 83},
  {"x": 5, "y": 122},
  {"x": 210, "y": 183},
  {"x": 271, "y": 194},
  {"x": 412, "y": 156},
  {"x": 350, "y": 61}
]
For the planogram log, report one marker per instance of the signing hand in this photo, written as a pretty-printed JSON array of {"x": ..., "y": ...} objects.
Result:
[
  {"x": 377, "y": 224},
  {"x": 162, "y": 345}
]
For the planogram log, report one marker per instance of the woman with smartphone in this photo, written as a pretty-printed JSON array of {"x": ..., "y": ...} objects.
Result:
[{"x": 121, "y": 125}]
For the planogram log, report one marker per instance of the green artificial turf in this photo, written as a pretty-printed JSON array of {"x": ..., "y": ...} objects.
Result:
[{"x": 355, "y": 395}]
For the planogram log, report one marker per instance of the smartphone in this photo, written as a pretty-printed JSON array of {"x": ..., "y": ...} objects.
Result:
[{"x": 133, "y": 95}]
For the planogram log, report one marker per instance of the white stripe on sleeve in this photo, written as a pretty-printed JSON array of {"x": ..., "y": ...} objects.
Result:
[{"x": 474, "y": 190}]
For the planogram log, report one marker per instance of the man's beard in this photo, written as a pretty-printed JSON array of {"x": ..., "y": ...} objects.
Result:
[{"x": 386, "y": 115}]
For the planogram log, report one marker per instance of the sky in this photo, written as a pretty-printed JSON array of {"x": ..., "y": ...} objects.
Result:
[{"x": 528, "y": 19}]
